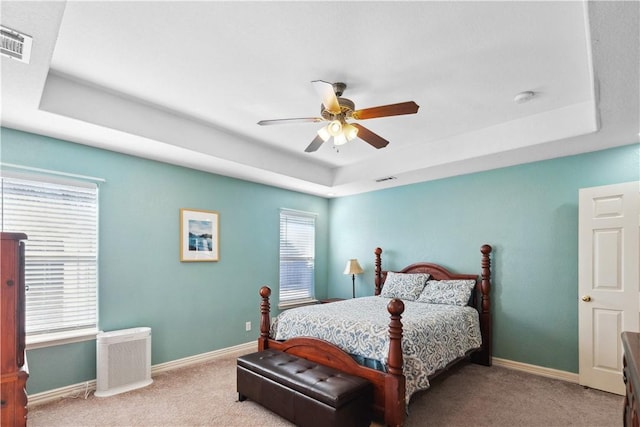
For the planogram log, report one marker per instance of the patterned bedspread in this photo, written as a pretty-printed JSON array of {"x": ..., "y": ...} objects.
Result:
[{"x": 433, "y": 334}]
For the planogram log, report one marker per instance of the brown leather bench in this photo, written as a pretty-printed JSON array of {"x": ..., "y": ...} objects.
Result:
[{"x": 303, "y": 392}]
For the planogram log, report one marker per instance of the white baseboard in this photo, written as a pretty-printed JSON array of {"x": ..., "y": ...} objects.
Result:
[
  {"x": 82, "y": 390},
  {"x": 204, "y": 357},
  {"x": 537, "y": 370},
  {"x": 74, "y": 391}
]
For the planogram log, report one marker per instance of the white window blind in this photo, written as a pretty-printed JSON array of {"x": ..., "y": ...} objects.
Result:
[
  {"x": 297, "y": 255},
  {"x": 61, "y": 252}
]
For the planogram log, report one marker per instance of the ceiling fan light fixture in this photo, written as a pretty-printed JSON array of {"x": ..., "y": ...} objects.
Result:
[
  {"x": 339, "y": 139},
  {"x": 334, "y": 128},
  {"x": 323, "y": 133},
  {"x": 336, "y": 110},
  {"x": 349, "y": 131}
]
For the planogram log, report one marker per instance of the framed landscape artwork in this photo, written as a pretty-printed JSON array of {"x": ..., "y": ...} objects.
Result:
[{"x": 199, "y": 238}]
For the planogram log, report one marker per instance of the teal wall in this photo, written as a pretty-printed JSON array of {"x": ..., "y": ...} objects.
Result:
[
  {"x": 192, "y": 308},
  {"x": 528, "y": 213}
]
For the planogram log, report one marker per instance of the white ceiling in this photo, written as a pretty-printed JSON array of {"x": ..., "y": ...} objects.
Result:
[{"x": 187, "y": 82}]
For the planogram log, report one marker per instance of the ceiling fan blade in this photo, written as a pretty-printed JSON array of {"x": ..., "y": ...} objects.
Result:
[
  {"x": 315, "y": 144},
  {"x": 328, "y": 95},
  {"x": 369, "y": 137},
  {"x": 386, "y": 110},
  {"x": 288, "y": 121}
]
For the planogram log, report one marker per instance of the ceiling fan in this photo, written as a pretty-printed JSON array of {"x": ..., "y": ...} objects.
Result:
[{"x": 338, "y": 111}]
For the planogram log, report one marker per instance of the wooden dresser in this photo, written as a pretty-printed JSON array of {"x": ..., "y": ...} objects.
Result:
[
  {"x": 631, "y": 376},
  {"x": 13, "y": 396}
]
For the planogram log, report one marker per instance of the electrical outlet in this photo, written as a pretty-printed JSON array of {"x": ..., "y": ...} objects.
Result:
[{"x": 247, "y": 326}]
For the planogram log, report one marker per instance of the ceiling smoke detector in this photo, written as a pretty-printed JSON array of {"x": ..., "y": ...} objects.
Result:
[
  {"x": 523, "y": 97},
  {"x": 15, "y": 45}
]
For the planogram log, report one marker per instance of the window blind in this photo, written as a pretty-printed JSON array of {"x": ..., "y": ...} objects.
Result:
[
  {"x": 297, "y": 255},
  {"x": 61, "y": 253}
]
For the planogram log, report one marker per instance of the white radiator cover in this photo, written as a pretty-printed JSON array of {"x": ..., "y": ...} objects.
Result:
[{"x": 123, "y": 361}]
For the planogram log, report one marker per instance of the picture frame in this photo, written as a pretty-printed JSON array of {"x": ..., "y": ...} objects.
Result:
[{"x": 199, "y": 235}]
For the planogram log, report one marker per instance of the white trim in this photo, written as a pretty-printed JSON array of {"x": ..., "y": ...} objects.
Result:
[
  {"x": 60, "y": 338},
  {"x": 204, "y": 357},
  {"x": 52, "y": 172},
  {"x": 73, "y": 391},
  {"x": 80, "y": 389},
  {"x": 85, "y": 388},
  {"x": 298, "y": 212},
  {"x": 537, "y": 370},
  {"x": 297, "y": 303}
]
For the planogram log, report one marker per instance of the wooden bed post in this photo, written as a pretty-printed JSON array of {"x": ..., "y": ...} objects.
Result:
[
  {"x": 483, "y": 357},
  {"x": 395, "y": 398},
  {"x": 378, "y": 269},
  {"x": 265, "y": 318}
]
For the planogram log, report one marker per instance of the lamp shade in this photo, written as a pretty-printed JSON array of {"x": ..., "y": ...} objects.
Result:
[
  {"x": 353, "y": 267},
  {"x": 339, "y": 139},
  {"x": 334, "y": 128},
  {"x": 350, "y": 131},
  {"x": 324, "y": 134}
]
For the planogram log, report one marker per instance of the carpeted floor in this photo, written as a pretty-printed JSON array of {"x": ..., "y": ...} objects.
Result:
[{"x": 205, "y": 395}]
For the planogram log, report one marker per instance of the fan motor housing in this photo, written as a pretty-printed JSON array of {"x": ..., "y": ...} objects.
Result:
[{"x": 346, "y": 108}]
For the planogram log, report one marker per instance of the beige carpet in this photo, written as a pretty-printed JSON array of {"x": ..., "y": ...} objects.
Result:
[{"x": 205, "y": 395}]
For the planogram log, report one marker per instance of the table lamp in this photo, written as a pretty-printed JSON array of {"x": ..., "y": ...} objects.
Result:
[{"x": 353, "y": 268}]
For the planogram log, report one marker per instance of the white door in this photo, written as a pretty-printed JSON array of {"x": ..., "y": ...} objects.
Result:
[{"x": 609, "y": 280}]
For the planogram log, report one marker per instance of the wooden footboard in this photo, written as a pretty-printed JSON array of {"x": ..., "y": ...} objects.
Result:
[{"x": 389, "y": 398}]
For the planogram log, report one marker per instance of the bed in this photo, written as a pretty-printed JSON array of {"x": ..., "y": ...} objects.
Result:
[{"x": 339, "y": 336}]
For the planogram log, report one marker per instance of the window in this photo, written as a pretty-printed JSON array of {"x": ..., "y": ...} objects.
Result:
[
  {"x": 297, "y": 256},
  {"x": 60, "y": 219}
]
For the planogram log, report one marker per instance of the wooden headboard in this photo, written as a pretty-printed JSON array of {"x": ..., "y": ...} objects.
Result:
[
  {"x": 437, "y": 272},
  {"x": 479, "y": 299}
]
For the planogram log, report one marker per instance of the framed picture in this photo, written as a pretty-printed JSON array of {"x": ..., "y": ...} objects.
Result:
[{"x": 199, "y": 238}]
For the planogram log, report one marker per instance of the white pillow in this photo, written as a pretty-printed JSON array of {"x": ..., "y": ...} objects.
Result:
[
  {"x": 451, "y": 292},
  {"x": 406, "y": 286}
]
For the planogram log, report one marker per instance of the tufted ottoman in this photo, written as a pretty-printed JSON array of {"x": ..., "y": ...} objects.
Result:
[{"x": 303, "y": 392}]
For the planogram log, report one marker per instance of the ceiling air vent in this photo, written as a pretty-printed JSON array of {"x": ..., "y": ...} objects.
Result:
[
  {"x": 15, "y": 45},
  {"x": 387, "y": 178}
]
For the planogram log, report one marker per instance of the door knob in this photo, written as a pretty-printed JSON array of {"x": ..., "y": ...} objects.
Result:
[{"x": 586, "y": 298}]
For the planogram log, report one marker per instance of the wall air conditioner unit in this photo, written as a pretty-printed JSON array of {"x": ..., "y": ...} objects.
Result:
[{"x": 123, "y": 361}]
